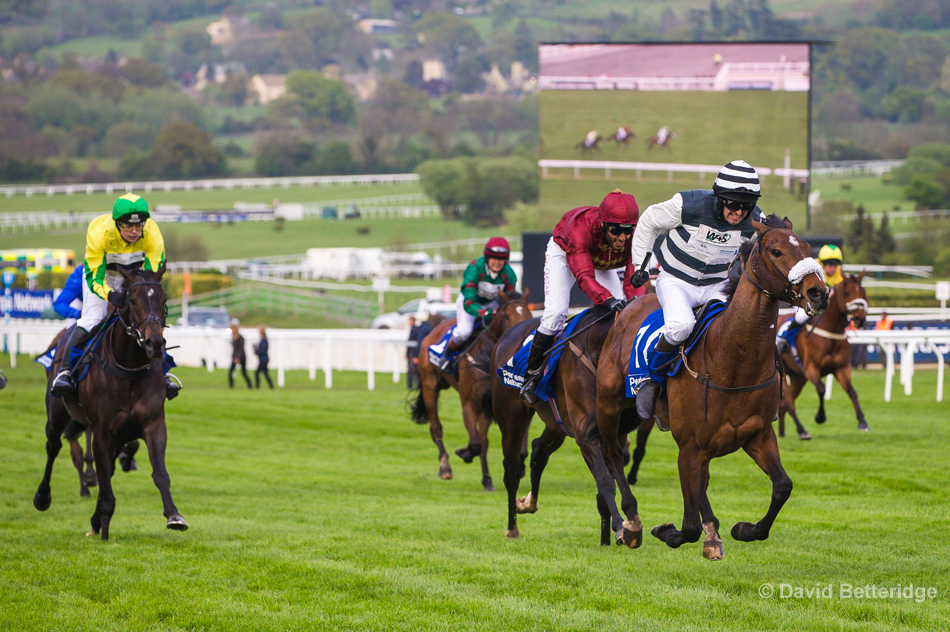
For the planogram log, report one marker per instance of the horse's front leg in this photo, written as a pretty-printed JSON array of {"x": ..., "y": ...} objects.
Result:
[
  {"x": 513, "y": 425},
  {"x": 156, "y": 437},
  {"x": 712, "y": 545},
  {"x": 105, "y": 500},
  {"x": 690, "y": 463},
  {"x": 843, "y": 375},
  {"x": 763, "y": 448}
]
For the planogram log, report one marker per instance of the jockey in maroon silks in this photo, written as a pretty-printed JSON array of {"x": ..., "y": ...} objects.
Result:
[{"x": 590, "y": 246}]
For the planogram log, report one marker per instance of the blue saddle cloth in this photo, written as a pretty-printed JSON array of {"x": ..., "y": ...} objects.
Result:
[
  {"x": 437, "y": 351},
  {"x": 638, "y": 368},
  {"x": 512, "y": 372}
]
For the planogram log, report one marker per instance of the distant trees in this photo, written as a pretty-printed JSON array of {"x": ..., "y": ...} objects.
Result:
[
  {"x": 180, "y": 151},
  {"x": 321, "y": 98},
  {"x": 478, "y": 191}
]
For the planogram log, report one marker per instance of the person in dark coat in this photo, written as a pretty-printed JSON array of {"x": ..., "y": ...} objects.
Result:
[
  {"x": 417, "y": 333},
  {"x": 238, "y": 357},
  {"x": 260, "y": 349}
]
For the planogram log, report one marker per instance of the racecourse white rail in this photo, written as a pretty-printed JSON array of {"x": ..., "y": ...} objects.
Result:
[
  {"x": 384, "y": 350},
  {"x": 30, "y": 190},
  {"x": 669, "y": 167}
]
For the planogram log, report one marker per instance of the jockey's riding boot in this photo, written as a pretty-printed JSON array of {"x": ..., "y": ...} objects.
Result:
[
  {"x": 450, "y": 348},
  {"x": 662, "y": 355},
  {"x": 172, "y": 386},
  {"x": 64, "y": 384},
  {"x": 539, "y": 346}
]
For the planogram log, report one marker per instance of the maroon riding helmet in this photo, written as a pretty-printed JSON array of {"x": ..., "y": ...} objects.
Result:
[
  {"x": 497, "y": 248},
  {"x": 619, "y": 208}
]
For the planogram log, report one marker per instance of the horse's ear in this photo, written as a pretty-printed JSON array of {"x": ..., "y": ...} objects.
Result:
[
  {"x": 759, "y": 227},
  {"x": 126, "y": 272},
  {"x": 861, "y": 276},
  {"x": 160, "y": 271},
  {"x": 502, "y": 296},
  {"x": 788, "y": 222}
]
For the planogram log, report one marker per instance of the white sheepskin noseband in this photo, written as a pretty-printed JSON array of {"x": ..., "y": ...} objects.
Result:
[{"x": 802, "y": 269}]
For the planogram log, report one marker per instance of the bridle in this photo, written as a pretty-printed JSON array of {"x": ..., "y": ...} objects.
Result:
[
  {"x": 790, "y": 293},
  {"x": 134, "y": 329}
]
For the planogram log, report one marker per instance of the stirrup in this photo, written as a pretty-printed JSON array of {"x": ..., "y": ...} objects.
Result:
[
  {"x": 172, "y": 386},
  {"x": 63, "y": 384},
  {"x": 531, "y": 380},
  {"x": 646, "y": 400}
]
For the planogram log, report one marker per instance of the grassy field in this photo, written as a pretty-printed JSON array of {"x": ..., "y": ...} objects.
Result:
[
  {"x": 321, "y": 510},
  {"x": 707, "y": 132}
]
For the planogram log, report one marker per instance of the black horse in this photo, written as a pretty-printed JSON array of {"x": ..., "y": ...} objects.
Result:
[{"x": 121, "y": 399}]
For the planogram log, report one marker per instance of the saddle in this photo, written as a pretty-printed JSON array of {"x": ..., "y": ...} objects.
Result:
[{"x": 638, "y": 366}]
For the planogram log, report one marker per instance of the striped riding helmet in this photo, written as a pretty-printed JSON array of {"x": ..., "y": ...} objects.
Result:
[
  {"x": 737, "y": 181},
  {"x": 497, "y": 248}
]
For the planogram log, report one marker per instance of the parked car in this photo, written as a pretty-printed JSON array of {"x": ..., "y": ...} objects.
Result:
[
  {"x": 217, "y": 317},
  {"x": 399, "y": 319}
]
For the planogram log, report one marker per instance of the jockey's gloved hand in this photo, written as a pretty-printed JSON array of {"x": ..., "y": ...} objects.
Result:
[
  {"x": 616, "y": 304},
  {"x": 117, "y": 297},
  {"x": 640, "y": 277},
  {"x": 485, "y": 313}
]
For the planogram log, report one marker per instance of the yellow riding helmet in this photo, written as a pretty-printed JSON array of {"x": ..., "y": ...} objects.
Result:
[{"x": 830, "y": 252}]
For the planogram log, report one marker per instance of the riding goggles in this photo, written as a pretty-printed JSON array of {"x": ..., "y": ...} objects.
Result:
[
  {"x": 620, "y": 229},
  {"x": 735, "y": 205}
]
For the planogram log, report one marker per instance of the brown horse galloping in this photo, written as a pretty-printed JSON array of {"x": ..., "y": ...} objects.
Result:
[
  {"x": 472, "y": 385},
  {"x": 122, "y": 398},
  {"x": 568, "y": 412},
  {"x": 727, "y": 394},
  {"x": 824, "y": 350}
]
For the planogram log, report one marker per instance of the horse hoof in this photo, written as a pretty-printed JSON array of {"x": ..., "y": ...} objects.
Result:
[
  {"x": 660, "y": 530},
  {"x": 177, "y": 523},
  {"x": 712, "y": 550},
  {"x": 465, "y": 454},
  {"x": 804, "y": 436},
  {"x": 743, "y": 532},
  {"x": 864, "y": 427},
  {"x": 632, "y": 533},
  {"x": 526, "y": 505},
  {"x": 712, "y": 545},
  {"x": 489, "y": 488},
  {"x": 84, "y": 492},
  {"x": 42, "y": 502},
  {"x": 512, "y": 533},
  {"x": 820, "y": 420}
]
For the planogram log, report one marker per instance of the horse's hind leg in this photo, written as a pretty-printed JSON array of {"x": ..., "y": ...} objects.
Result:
[
  {"x": 56, "y": 419},
  {"x": 430, "y": 395},
  {"x": 513, "y": 424},
  {"x": 763, "y": 448},
  {"x": 156, "y": 438},
  {"x": 105, "y": 500},
  {"x": 541, "y": 450},
  {"x": 643, "y": 433},
  {"x": 843, "y": 375},
  {"x": 788, "y": 405},
  {"x": 75, "y": 451}
]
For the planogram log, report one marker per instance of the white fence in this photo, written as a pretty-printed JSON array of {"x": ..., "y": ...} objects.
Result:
[
  {"x": 327, "y": 350},
  {"x": 607, "y": 166},
  {"x": 206, "y": 185},
  {"x": 847, "y": 167},
  {"x": 384, "y": 350}
]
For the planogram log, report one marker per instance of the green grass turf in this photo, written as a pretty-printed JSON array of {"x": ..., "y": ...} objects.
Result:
[{"x": 315, "y": 509}]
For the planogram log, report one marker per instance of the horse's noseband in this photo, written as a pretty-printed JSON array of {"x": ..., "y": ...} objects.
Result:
[
  {"x": 134, "y": 330},
  {"x": 789, "y": 294}
]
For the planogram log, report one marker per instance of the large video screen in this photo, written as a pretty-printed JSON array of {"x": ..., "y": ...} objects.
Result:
[{"x": 655, "y": 119}]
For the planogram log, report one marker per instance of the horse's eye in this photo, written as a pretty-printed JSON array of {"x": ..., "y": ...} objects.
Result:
[{"x": 776, "y": 252}]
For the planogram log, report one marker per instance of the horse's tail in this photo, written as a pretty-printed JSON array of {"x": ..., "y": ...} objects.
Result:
[{"x": 417, "y": 409}]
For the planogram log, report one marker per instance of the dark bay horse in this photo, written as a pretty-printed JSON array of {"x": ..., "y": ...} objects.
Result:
[
  {"x": 824, "y": 350},
  {"x": 121, "y": 399},
  {"x": 82, "y": 459},
  {"x": 472, "y": 385},
  {"x": 727, "y": 394},
  {"x": 568, "y": 413}
]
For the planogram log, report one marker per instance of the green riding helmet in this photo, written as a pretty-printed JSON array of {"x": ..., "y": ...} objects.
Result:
[{"x": 130, "y": 209}]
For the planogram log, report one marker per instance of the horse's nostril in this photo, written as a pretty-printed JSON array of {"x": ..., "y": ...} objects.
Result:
[{"x": 815, "y": 295}]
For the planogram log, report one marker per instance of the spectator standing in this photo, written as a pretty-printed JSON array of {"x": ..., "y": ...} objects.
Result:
[
  {"x": 260, "y": 349},
  {"x": 238, "y": 356},
  {"x": 417, "y": 333}
]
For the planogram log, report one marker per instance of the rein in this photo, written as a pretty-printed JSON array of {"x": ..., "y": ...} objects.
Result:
[{"x": 133, "y": 330}]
